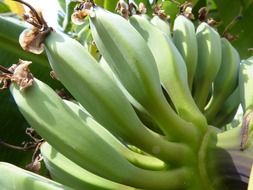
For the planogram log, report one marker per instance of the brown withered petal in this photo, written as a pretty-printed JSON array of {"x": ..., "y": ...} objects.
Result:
[
  {"x": 142, "y": 8},
  {"x": 5, "y": 80},
  {"x": 245, "y": 131},
  {"x": 78, "y": 16},
  {"x": 31, "y": 40},
  {"x": 22, "y": 76}
]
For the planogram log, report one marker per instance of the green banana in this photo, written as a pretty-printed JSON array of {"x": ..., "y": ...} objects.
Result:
[
  {"x": 161, "y": 25},
  {"x": 13, "y": 178},
  {"x": 172, "y": 70},
  {"x": 67, "y": 172},
  {"x": 209, "y": 60},
  {"x": 104, "y": 65},
  {"x": 132, "y": 62},
  {"x": 99, "y": 95},
  {"x": 185, "y": 40},
  {"x": 226, "y": 79},
  {"x": 142, "y": 161},
  {"x": 245, "y": 84},
  {"x": 228, "y": 109},
  {"x": 46, "y": 112},
  {"x": 140, "y": 111}
]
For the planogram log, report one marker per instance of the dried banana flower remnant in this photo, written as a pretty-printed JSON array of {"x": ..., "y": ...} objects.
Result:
[
  {"x": 79, "y": 15},
  {"x": 22, "y": 75},
  {"x": 31, "y": 40},
  {"x": 83, "y": 10},
  {"x": 18, "y": 73}
]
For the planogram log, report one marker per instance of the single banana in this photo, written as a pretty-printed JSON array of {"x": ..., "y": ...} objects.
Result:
[
  {"x": 162, "y": 25},
  {"x": 140, "y": 110},
  {"x": 185, "y": 40},
  {"x": 226, "y": 79},
  {"x": 46, "y": 112},
  {"x": 82, "y": 75},
  {"x": 209, "y": 60},
  {"x": 13, "y": 178},
  {"x": 132, "y": 62},
  {"x": 64, "y": 171},
  {"x": 227, "y": 110},
  {"x": 140, "y": 160},
  {"x": 245, "y": 84},
  {"x": 172, "y": 71}
]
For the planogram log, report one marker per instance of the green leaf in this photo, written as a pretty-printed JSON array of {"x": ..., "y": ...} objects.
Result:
[
  {"x": 110, "y": 5},
  {"x": 246, "y": 3},
  {"x": 238, "y": 20},
  {"x": 170, "y": 9},
  {"x": 243, "y": 29},
  {"x": 4, "y": 8},
  {"x": 228, "y": 15},
  {"x": 99, "y": 2}
]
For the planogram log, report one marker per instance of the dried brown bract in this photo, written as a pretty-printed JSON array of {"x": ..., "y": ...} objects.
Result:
[
  {"x": 203, "y": 12},
  {"x": 123, "y": 9},
  {"x": 18, "y": 73},
  {"x": 142, "y": 9},
  {"x": 79, "y": 15},
  {"x": 246, "y": 130},
  {"x": 160, "y": 12},
  {"x": 22, "y": 75},
  {"x": 230, "y": 37},
  {"x": 212, "y": 22},
  {"x": 32, "y": 39},
  {"x": 186, "y": 10},
  {"x": 81, "y": 11},
  {"x": 5, "y": 80}
]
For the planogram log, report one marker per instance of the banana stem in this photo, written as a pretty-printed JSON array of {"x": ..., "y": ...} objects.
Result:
[{"x": 170, "y": 152}]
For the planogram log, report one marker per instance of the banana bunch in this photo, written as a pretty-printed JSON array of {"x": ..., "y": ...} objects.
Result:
[{"x": 146, "y": 115}]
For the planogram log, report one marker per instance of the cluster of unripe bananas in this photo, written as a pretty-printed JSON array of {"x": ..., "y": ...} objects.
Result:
[{"x": 146, "y": 115}]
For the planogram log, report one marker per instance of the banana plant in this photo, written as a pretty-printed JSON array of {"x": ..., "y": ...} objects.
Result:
[{"x": 148, "y": 113}]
